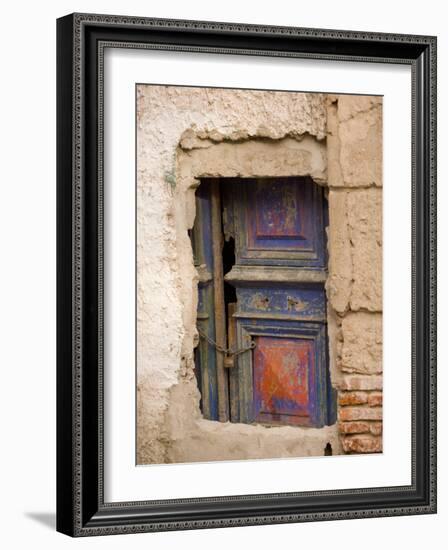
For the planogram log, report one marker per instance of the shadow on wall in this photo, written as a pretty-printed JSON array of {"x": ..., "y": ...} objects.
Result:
[{"x": 47, "y": 519}]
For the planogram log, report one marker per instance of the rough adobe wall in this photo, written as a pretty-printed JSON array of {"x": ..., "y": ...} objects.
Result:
[{"x": 184, "y": 133}]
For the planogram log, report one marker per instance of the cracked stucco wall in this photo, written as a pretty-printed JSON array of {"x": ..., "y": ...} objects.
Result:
[{"x": 184, "y": 133}]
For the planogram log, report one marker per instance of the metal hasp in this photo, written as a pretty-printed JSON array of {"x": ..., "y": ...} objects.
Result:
[{"x": 278, "y": 275}]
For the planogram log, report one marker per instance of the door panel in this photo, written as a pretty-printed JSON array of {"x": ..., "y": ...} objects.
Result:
[
  {"x": 277, "y": 300},
  {"x": 281, "y": 385},
  {"x": 278, "y": 222},
  {"x": 283, "y": 381}
]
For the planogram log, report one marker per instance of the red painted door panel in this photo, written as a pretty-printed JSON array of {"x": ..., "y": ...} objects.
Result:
[{"x": 282, "y": 370}]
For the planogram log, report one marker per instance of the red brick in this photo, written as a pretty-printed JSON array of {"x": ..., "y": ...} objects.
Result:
[
  {"x": 362, "y": 444},
  {"x": 375, "y": 399},
  {"x": 376, "y": 428},
  {"x": 354, "y": 427},
  {"x": 360, "y": 413},
  {"x": 352, "y": 398}
]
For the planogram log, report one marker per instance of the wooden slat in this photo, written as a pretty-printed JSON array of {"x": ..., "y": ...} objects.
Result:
[
  {"x": 231, "y": 334},
  {"x": 233, "y": 374},
  {"x": 220, "y": 317}
]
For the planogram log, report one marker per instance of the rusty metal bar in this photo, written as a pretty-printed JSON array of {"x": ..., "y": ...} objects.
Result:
[{"x": 218, "y": 288}]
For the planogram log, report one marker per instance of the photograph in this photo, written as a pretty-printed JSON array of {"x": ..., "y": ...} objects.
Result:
[{"x": 258, "y": 274}]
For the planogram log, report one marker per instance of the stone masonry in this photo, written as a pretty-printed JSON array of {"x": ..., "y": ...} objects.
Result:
[{"x": 354, "y": 286}]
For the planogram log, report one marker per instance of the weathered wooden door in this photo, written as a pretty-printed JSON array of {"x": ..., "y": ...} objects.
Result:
[{"x": 269, "y": 293}]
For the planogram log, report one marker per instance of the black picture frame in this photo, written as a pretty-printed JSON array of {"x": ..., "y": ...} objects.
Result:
[{"x": 81, "y": 510}]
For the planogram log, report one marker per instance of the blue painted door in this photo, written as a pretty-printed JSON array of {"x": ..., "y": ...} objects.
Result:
[{"x": 277, "y": 284}]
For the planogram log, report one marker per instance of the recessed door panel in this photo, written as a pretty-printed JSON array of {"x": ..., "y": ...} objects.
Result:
[
  {"x": 277, "y": 301},
  {"x": 282, "y": 371},
  {"x": 279, "y": 222}
]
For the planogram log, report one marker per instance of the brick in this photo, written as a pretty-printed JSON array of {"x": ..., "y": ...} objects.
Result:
[
  {"x": 361, "y": 383},
  {"x": 354, "y": 427},
  {"x": 360, "y": 145},
  {"x": 355, "y": 264},
  {"x": 375, "y": 399},
  {"x": 376, "y": 428},
  {"x": 360, "y": 413},
  {"x": 362, "y": 444},
  {"x": 364, "y": 212},
  {"x": 361, "y": 427},
  {"x": 350, "y": 106},
  {"x": 340, "y": 273},
  {"x": 352, "y": 398},
  {"x": 361, "y": 348}
]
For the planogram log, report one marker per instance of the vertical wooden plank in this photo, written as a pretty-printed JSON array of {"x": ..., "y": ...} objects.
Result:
[
  {"x": 229, "y": 361},
  {"x": 205, "y": 352},
  {"x": 233, "y": 374},
  {"x": 218, "y": 286},
  {"x": 245, "y": 377}
]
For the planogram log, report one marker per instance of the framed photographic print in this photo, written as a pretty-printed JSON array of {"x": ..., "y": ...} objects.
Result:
[{"x": 246, "y": 274}]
